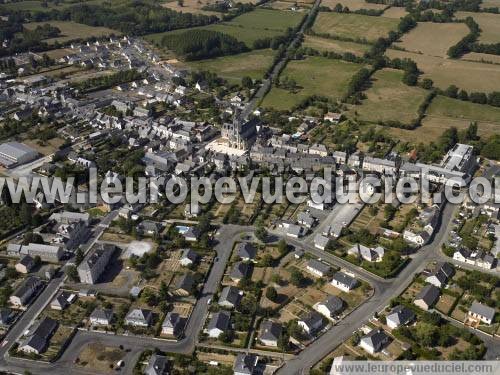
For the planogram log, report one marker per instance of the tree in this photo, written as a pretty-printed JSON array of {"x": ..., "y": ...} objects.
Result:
[
  {"x": 247, "y": 82},
  {"x": 271, "y": 294},
  {"x": 261, "y": 233},
  {"x": 72, "y": 273},
  {"x": 282, "y": 247},
  {"x": 79, "y": 256},
  {"x": 31, "y": 237},
  {"x": 296, "y": 278}
]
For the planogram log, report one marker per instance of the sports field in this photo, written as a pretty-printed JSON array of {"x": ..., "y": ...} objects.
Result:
[
  {"x": 72, "y": 30},
  {"x": 325, "y": 44},
  {"x": 389, "y": 99},
  {"x": 352, "y": 4},
  {"x": 354, "y": 26},
  {"x": 444, "y": 113},
  {"x": 467, "y": 75},
  {"x": 489, "y": 24},
  {"x": 433, "y": 39},
  {"x": 233, "y": 68},
  {"x": 258, "y": 24},
  {"x": 314, "y": 76}
]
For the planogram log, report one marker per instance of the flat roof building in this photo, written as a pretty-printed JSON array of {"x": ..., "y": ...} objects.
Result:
[{"x": 15, "y": 153}]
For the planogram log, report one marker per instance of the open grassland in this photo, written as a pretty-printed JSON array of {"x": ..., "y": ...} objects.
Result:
[
  {"x": 389, "y": 99},
  {"x": 352, "y": 4},
  {"x": 467, "y": 75},
  {"x": 258, "y": 24},
  {"x": 433, "y": 39},
  {"x": 490, "y": 4},
  {"x": 481, "y": 57},
  {"x": 36, "y": 5},
  {"x": 72, "y": 30},
  {"x": 444, "y": 113},
  {"x": 314, "y": 76},
  {"x": 354, "y": 26},
  {"x": 191, "y": 6},
  {"x": 489, "y": 24},
  {"x": 331, "y": 45},
  {"x": 253, "y": 64},
  {"x": 395, "y": 12}
]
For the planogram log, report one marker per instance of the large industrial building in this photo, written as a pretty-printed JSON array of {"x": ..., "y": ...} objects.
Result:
[{"x": 15, "y": 153}]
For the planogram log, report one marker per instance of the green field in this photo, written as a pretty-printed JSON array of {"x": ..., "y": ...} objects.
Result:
[
  {"x": 389, "y": 99},
  {"x": 314, "y": 76},
  {"x": 331, "y": 45},
  {"x": 232, "y": 68},
  {"x": 258, "y": 24},
  {"x": 354, "y": 26},
  {"x": 72, "y": 30},
  {"x": 34, "y": 5}
]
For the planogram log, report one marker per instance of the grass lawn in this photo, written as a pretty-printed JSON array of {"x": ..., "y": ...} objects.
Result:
[
  {"x": 314, "y": 75},
  {"x": 352, "y": 4},
  {"x": 72, "y": 30},
  {"x": 258, "y": 24},
  {"x": 325, "y": 44},
  {"x": 389, "y": 99},
  {"x": 355, "y": 26},
  {"x": 489, "y": 24},
  {"x": 467, "y": 75},
  {"x": 443, "y": 36},
  {"x": 253, "y": 64}
]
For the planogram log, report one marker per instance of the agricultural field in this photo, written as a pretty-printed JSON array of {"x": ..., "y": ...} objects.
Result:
[
  {"x": 72, "y": 30},
  {"x": 489, "y": 24},
  {"x": 395, "y": 12},
  {"x": 331, "y": 45},
  {"x": 232, "y": 68},
  {"x": 490, "y": 4},
  {"x": 247, "y": 28},
  {"x": 354, "y": 26},
  {"x": 313, "y": 75},
  {"x": 442, "y": 35},
  {"x": 467, "y": 75},
  {"x": 444, "y": 113},
  {"x": 353, "y": 5},
  {"x": 481, "y": 57},
  {"x": 36, "y": 5},
  {"x": 389, "y": 99},
  {"x": 191, "y": 6},
  {"x": 287, "y": 5}
]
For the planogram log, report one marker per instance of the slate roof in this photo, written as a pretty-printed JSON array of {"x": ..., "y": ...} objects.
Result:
[
  {"x": 482, "y": 310},
  {"x": 401, "y": 315},
  {"x": 220, "y": 320}
]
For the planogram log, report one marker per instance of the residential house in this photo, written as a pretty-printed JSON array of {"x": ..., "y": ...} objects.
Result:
[
  {"x": 331, "y": 307},
  {"x": 101, "y": 317},
  {"x": 188, "y": 257},
  {"x": 270, "y": 333},
  {"x": 62, "y": 300},
  {"x": 185, "y": 285},
  {"x": 245, "y": 364},
  {"x": 240, "y": 271},
  {"x": 25, "y": 265},
  {"x": 399, "y": 315},
  {"x": 25, "y": 291},
  {"x": 219, "y": 323},
  {"x": 38, "y": 338},
  {"x": 157, "y": 365},
  {"x": 318, "y": 268},
  {"x": 369, "y": 254},
  {"x": 481, "y": 313},
  {"x": 294, "y": 231},
  {"x": 139, "y": 318},
  {"x": 344, "y": 282},
  {"x": 172, "y": 324},
  {"x": 230, "y": 297},
  {"x": 427, "y": 297},
  {"x": 440, "y": 275},
  {"x": 321, "y": 242},
  {"x": 374, "y": 341},
  {"x": 246, "y": 252},
  {"x": 6, "y": 317},
  {"x": 311, "y": 323}
]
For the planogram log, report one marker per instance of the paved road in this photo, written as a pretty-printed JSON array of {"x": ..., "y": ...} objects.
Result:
[
  {"x": 226, "y": 239},
  {"x": 267, "y": 83},
  {"x": 384, "y": 291}
]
